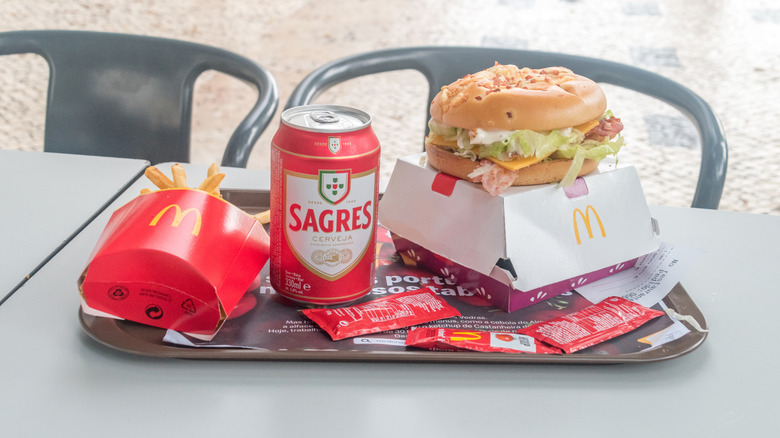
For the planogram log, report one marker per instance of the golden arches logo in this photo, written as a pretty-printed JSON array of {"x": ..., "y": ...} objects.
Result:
[
  {"x": 465, "y": 336},
  {"x": 179, "y": 216},
  {"x": 586, "y": 220}
]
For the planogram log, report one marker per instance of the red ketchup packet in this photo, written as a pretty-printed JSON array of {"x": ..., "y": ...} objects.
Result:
[
  {"x": 594, "y": 324},
  {"x": 445, "y": 339},
  {"x": 388, "y": 313}
]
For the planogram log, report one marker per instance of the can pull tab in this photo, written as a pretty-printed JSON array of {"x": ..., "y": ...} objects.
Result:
[{"x": 324, "y": 117}]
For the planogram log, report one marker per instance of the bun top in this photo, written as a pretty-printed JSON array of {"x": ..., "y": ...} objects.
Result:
[{"x": 505, "y": 97}]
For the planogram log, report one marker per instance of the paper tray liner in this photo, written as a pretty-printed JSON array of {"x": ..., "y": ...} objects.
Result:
[{"x": 145, "y": 340}]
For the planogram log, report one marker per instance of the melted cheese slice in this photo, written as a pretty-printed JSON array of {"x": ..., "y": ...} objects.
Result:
[
  {"x": 518, "y": 163},
  {"x": 585, "y": 127},
  {"x": 439, "y": 140}
]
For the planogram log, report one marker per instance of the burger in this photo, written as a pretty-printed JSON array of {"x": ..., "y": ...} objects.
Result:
[{"x": 508, "y": 126}]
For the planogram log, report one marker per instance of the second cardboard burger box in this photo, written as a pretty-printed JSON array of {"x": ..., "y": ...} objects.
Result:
[{"x": 525, "y": 245}]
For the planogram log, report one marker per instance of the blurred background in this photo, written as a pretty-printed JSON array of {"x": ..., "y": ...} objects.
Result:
[{"x": 724, "y": 50}]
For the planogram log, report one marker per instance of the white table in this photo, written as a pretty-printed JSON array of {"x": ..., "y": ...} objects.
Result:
[
  {"x": 54, "y": 378},
  {"x": 45, "y": 199}
]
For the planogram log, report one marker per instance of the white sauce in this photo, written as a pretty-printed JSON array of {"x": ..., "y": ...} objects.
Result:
[{"x": 480, "y": 136}]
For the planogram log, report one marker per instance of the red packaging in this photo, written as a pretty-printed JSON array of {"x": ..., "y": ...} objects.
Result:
[
  {"x": 444, "y": 339},
  {"x": 177, "y": 258},
  {"x": 594, "y": 324},
  {"x": 388, "y": 313},
  {"x": 324, "y": 191}
]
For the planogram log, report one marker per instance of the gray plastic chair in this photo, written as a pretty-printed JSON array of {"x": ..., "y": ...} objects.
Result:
[
  {"x": 131, "y": 96},
  {"x": 443, "y": 65}
]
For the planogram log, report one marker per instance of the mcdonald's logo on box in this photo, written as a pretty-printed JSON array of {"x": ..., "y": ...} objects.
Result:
[
  {"x": 526, "y": 245},
  {"x": 179, "y": 216},
  {"x": 177, "y": 258},
  {"x": 585, "y": 218}
]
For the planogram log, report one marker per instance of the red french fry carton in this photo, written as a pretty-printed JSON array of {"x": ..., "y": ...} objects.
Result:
[{"x": 179, "y": 259}]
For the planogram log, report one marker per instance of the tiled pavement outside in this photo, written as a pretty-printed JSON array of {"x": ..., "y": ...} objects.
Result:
[{"x": 726, "y": 51}]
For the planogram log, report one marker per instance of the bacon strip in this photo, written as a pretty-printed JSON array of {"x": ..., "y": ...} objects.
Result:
[
  {"x": 608, "y": 128},
  {"x": 494, "y": 178}
]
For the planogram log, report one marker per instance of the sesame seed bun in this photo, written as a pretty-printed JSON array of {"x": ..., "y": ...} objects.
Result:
[{"x": 505, "y": 97}]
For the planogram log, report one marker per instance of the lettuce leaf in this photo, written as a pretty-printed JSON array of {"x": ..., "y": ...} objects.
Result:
[
  {"x": 519, "y": 143},
  {"x": 592, "y": 149},
  {"x": 528, "y": 143},
  {"x": 587, "y": 149},
  {"x": 441, "y": 129},
  {"x": 565, "y": 143}
]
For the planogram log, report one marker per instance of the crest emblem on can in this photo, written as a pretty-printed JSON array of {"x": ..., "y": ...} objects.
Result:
[
  {"x": 334, "y": 144},
  {"x": 334, "y": 185}
]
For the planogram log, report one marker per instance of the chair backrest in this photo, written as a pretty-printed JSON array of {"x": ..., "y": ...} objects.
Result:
[
  {"x": 443, "y": 65},
  {"x": 131, "y": 96}
]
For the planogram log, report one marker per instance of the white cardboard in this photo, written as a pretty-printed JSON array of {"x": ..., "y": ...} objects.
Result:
[{"x": 533, "y": 227}]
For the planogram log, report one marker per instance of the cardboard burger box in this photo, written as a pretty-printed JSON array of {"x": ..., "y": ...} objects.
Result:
[
  {"x": 178, "y": 258},
  {"x": 526, "y": 245}
]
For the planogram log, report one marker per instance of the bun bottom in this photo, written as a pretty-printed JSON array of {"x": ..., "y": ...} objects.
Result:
[{"x": 540, "y": 173}]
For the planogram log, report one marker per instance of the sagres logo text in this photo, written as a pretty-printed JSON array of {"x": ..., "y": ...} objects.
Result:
[
  {"x": 329, "y": 219},
  {"x": 179, "y": 216},
  {"x": 587, "y": 221},
  {"x": 334, "y": 185}
]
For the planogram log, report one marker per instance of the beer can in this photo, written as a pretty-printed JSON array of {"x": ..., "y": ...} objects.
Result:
[{"x": 324, "y": 190}]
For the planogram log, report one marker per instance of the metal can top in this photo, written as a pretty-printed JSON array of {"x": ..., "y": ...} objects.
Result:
[{"x": 326, "y": 118}]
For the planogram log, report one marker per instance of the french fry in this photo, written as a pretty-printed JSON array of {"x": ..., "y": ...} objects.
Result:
[
  {"x": 145, "y": 191},
  {"x": 158, "y": 178},
  {"x": 211, "y": 183},
  {"x": 264, "y": 217},
  {"x": 213, "y": 170},
  {"x": 179, "y": 176}
]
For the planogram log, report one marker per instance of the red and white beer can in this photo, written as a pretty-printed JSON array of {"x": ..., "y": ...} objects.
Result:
[{"x": 324, "y": 187}]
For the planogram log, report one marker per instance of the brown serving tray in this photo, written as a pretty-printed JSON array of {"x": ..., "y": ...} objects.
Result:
[{"x": 145, "y": 340}]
